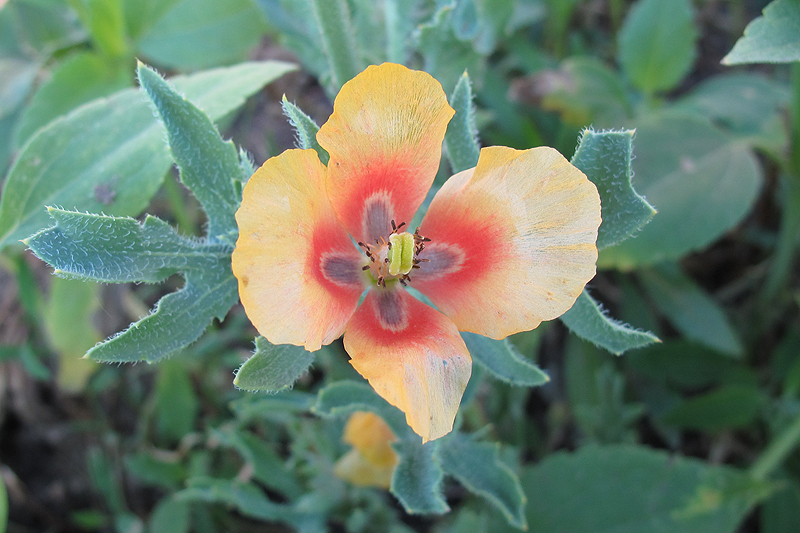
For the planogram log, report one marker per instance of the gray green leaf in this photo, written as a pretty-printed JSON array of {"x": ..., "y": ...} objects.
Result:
[
  {"x": 587, "y": 320},
  {"x": 503, "y": 361},
  {"x": 702, "y": 182},
  {"x": 306, "y": 129},
  {"x": 605, "y": 158},
  {"x": 417, "y": 478},
  {"x": 477, "y": 466},
  {"x": 208, "y": 164},
  {"x": 773, "y": 37},
  {"x": 657, "y": 43},
  {"x": 273, "y": 368},
  {"x": 728, "y": 407},
  {"x": 178, "y": 319},
  {"x": 461, "y": 140},
  {"x": 109, "y": 155},
  {"x": 346, "y": 397},
  {"x": 337, "y": 37}
]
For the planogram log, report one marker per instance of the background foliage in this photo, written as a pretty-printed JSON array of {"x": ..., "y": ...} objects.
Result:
[{"x": 680, "y": 414}]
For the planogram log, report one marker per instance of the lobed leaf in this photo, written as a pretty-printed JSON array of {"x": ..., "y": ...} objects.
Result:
[
  {"x": 503, "y": 361},
  {"x": 208, "y": 164},
  {"x": 178, "y": 319},
  {"x": 773, "y": 37},
  {"x": 477, "y": 466},
  {"x": 109, "y": 155},
  {"x": 273, "y": 368},
  {"x": 417, "y": 478},
  {"x": 703, "y": 182},
  {"x": 587, "y": 320},
  {"x": 120, "y": 249},
  {"x": 605, "y": 158},
  {"x": 461, "y": 139}
]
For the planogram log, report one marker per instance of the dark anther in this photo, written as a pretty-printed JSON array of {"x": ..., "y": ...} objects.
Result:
[
  {"x": 394, "y": 227},
  {"x": 403, "y": 282},
  {"x": 365, "y": 267},
  {"x": 414, "y": 266}
]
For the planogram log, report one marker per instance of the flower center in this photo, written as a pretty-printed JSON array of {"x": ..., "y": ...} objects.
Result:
[{"x": 392, "y": 259}]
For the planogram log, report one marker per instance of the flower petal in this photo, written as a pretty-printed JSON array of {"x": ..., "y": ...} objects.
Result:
[
  {"x": 299, "y": 274},
  {"x": 413, "y": 356},
  {"x": 512, "y": 241},
  {"x": 369, "y": 434},
  {"x": 385, "y": 141}
]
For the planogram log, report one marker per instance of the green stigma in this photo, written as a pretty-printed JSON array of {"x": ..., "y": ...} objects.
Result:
[{"x": 401, "y": 253}]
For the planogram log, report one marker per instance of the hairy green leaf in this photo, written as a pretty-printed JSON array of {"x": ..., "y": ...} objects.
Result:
[
  {"x": 178, "y": 319},
  {"x": 657, "y": 43},
  {"x": 773, "y": 37},
  {"x": 109, "y": 155},
  {"x": 120, "y": 249},
  {"x": 306, "y": 129},
  {"x": 478, "y": 467},
  {"x": 208, "y": 164},
  {"x": 273, "y": 368},
  {"x": 587, "y": 320},
  {"x": 170, "y": 516},
  {"x": 503, "y": 361},
  {"x": 461, "y": 140},
  {"x": 417, "y": 478},
  {"x": 605, "y": 158},
  {"x": 247, "y": 498},
  {"x": 345, "y": 397},
  {"x": 701, "y": 181}
]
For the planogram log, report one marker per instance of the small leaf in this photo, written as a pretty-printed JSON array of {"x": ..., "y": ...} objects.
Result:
[
  {"x": 478, "y": 467},
  {"x": 771, "y": 38},
  {"x": 109, "y": 155},
  {"x": 208, "y": 165},
  {"x": 657, "y": 43},
  {"x": 693, "y": 312},
  {"x": 503, "y": 361},
  {"x": 605, "y": 158},
  {"x": 634, "y": 488},
  {"x": 273, "y": 368},
  {"x": 417, "y": 479},
  {"x": 346, "y": 397},
  {"x": 587, "y": 320},
  {"x": 306, "y": 129},
  {"x": 461, "y": 140},
  {"x": 120, "y": 249}
]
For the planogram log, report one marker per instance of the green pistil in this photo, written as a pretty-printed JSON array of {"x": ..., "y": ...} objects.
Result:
[{"x": 401, "y": 253}]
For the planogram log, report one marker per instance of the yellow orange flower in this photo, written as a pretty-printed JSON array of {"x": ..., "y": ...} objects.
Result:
[
  {"x": 372, "y": 460},
  {"x": 503, "y": 246}
]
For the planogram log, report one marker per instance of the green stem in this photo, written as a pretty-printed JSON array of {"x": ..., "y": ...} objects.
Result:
[
  {"x": 176, "y": 203},
  {"x": 336, "y": 30},
  {"x": 790, "y": 223},
  {"x": 777, "y": 451}
]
